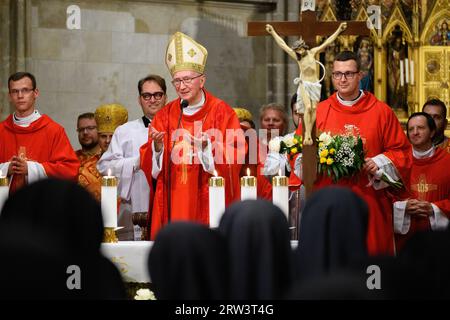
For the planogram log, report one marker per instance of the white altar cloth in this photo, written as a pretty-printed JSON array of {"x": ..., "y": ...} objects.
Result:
[{"x": 131, "y": 257}]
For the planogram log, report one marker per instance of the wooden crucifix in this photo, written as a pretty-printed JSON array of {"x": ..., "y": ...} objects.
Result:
[{"x": 308, "y": 28}]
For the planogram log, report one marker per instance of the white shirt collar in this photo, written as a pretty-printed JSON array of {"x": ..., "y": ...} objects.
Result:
[
  {"x": 192, "y": 109},
  {"x": 350, "y": 103},
  {"x": 423, "y": 154},
  {"x": 26, "y": 121}
]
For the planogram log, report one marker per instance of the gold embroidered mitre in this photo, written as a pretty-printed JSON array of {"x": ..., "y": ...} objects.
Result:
[
  {"x": 243, "y": 114},
  {"x": 184, "y": 53},
  {"x": 110, "y": 116}
]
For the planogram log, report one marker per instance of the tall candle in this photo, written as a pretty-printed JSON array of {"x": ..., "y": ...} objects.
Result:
[
  {"x": 406, "y": 71},
  {"x": 280, "y": 193},
  {"x": 216, "y": 200},
  {"x": 4, "y": 189},
  {"x": 248, "y": 186},
  {"x": 109, "y": 200},
  {"x": 401, "y": 73}
]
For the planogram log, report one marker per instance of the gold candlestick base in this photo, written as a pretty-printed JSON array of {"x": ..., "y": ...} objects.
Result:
[{"x": 109, "y": 235}]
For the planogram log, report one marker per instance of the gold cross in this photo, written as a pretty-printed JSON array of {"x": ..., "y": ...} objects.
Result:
[
  {"x": 192, "y": 52},
  {"x": 422, "y": 187}
]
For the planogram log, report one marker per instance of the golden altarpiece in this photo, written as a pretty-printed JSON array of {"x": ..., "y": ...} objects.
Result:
[{"x": 407, "y": 60}]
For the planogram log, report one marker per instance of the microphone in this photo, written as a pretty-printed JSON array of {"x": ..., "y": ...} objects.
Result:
[{"x": 183, "y": 104}]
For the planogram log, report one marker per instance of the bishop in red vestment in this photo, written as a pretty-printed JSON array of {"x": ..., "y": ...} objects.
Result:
[{"x": 186, "y": 140}]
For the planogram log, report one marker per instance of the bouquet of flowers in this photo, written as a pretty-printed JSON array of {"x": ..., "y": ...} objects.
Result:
[
  {"x": 340, "y": 155},
  {"x": 290, "y": 144}
]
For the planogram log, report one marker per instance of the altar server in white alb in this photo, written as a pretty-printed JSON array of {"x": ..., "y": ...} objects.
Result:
[{"x": 122, "y": 156}]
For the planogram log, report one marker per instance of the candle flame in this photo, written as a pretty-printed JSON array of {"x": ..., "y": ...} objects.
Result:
[
  {"x": 109, "y": 172},
  {"x": 215, "y": 173},
  {"x": 248, "y": 171}
]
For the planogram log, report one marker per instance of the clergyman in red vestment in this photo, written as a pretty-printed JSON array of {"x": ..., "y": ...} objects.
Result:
[
  {"x": 428, "y": 203},
  {"x": 33, "y": 146},
  {"x": 188, "y": 141}
]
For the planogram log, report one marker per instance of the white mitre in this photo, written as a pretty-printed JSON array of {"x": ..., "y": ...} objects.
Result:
[{"x": 184, "y": 53}]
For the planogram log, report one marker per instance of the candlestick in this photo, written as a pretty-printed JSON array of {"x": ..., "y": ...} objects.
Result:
[
  {"x": 109, "y": 207},
  {"x": 4, "y": 189},
  {"x": 216, "y": 200},
  {"x": 280, "y": 193},
  {"x": 248, "y": 187}
]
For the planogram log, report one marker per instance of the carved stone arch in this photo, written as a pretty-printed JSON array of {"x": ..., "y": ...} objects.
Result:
[
  {"x": 429, "y": 26},
  {"x": 397, "y": 18},
  {"x": 395, "y": 91}
]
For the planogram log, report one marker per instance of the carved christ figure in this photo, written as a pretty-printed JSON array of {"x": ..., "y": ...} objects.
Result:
[{"x": 308, "y": 92}]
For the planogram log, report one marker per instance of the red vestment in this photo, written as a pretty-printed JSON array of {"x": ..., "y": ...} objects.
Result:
[
  {"x": 429, "y": 181},
  {"x": 445, "y": 145},
  {"x": 45, "y": 142},
  {"x": 382, "y": 134},
  {"x": 88, "y": 175},
  {"x": 189, "y": 182}
]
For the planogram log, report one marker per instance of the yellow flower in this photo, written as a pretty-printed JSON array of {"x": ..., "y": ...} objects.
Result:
[
  {"x": 323, "y": 153},
  {"x": 295, "y": 141},
  {"x": 332, "y": 151},
  {"x": 323, "y": 160},
  {"x": 330, "y": 161},
  {"x": 320, "y": 144},
  {"x": 294, "y": 150}
]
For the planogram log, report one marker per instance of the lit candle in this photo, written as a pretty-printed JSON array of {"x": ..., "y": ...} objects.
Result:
[
  {"x": 248, "y": 186},
  {"x": 4, "y": 189},
  {"x": 412, "y": 71},
  {"x": 280, "y": 193},
  {"x": 216, "y": 200},
  {"x": 109, "y": 206}
]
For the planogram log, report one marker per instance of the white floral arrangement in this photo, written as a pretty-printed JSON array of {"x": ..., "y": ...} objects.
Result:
[
  {"x": 290, "y": 144},
  {"x": 144, "y": 294}
]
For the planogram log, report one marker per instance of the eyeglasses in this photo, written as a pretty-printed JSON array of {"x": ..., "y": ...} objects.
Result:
[
  {"x": 148, "y": 96},
  {"x": 24, "y": 91},
  {"x": 185, "y": 80},
  {"x": 348, "y": 74},
  {"x": 90, "y": 128}
]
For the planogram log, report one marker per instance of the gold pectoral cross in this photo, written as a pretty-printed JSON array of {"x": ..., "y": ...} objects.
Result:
[{"x": 422, "y": 187}]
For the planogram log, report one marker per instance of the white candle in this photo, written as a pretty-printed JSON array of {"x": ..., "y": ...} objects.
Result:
[
  {"x": 401, "y": 73},
  {"x": 248, "y": 187},
  {"x": 109, "y": 200},
  {"x": 406, "y": 71},
  {"x": 280, "y": 193},
  {"x": 216, "y": 200},
  {"x": 4, "y": 189},
  {"x": 412, "y": 71}
]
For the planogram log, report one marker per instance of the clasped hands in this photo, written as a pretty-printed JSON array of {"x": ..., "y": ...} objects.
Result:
[{"x": 18, "y": 165}]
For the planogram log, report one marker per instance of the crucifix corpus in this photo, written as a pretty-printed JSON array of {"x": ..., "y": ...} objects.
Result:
[{"x": 308, "y": 92}]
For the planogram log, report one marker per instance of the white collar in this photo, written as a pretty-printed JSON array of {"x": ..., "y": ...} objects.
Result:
[
  {"x": 192, "y": 109},
  {"x": 350, "y": 103},
  {"x": 423, "y": 154},
  {"x": 26, "y": 121}
]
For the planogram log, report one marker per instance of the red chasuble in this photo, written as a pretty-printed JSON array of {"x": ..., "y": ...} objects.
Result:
[
  {"x": 430, "y": 181},
  {"x": 45, "y": 142},
  {"x": 381, "y": 133},
  {"x": 189, "y": 191}
]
